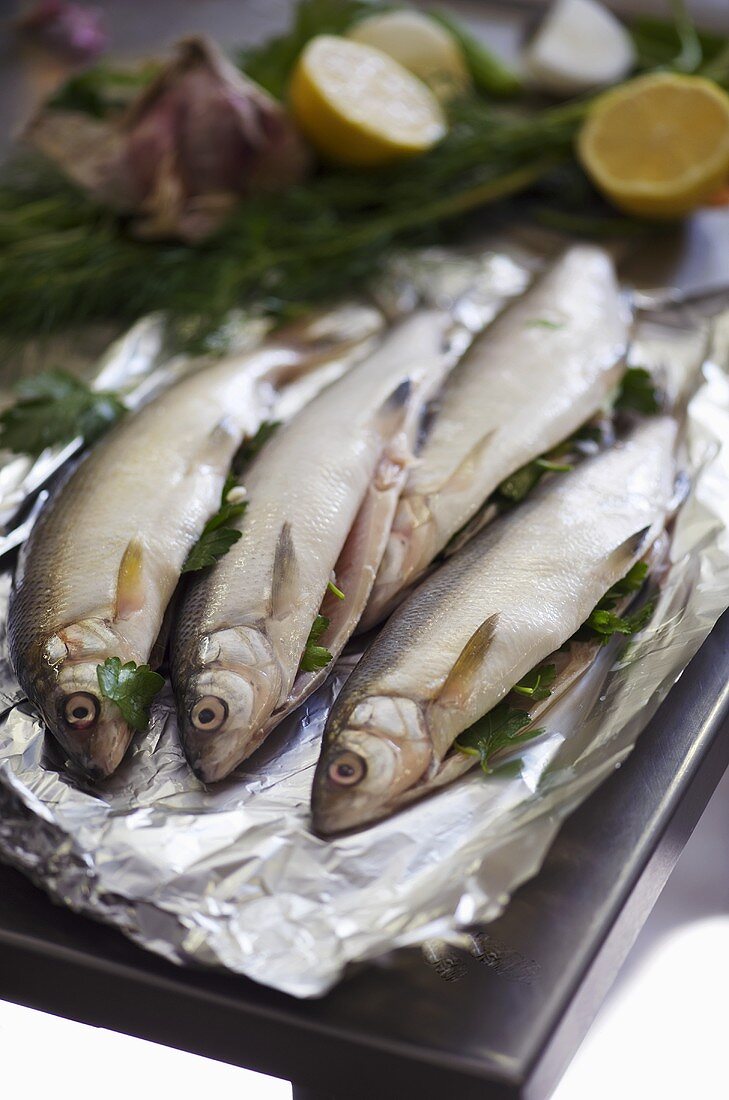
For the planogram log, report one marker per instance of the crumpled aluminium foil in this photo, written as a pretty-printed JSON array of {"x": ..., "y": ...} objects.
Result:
[{"x": 233, "y": 876}]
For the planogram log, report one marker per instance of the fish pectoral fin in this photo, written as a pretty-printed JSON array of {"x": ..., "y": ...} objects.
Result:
[
  {"x": 461, "y": 476},
  {"x": 459, "y": 683},
  {"x": 129, "y": 596},
  {"x": 285, "y": 576}
]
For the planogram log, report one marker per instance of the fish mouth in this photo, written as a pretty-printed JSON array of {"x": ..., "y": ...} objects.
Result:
[
  {"x": 91, "y": 733},
  {"x": 223, "y": 713}
]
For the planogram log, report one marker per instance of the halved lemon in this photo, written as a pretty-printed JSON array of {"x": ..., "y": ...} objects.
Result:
[
  {"x": 359, "y": 107},
  {"x": 658, "y": 146}
]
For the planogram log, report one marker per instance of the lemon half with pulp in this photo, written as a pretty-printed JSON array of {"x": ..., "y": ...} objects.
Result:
[
  {"x": 359, "y": 107},
  {"x": 658, "y": 146}
]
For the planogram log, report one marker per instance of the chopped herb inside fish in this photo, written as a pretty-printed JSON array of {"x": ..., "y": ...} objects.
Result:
[
  {"x": 252, "y": 446},
  {"x": 217, "y": 535},
  {"x": 638, "y": 392},
  {"x": 544, "y": 322},
  {"x": 315, "y": 655},
  {"x": 605, "y": 622},
  {"x": 331, "y": 587},
  {"x": 537, "y": 684},
  {"x": 502, "y": 728},
  {"x": 132, "y": 687},
  {"x": 519, "y": 484},
  {"x": 54, "y": 408}
]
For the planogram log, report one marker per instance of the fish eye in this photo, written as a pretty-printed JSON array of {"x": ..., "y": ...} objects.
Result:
[
  {"x": 347, "y": 770},
  {"x": 209, "y": 713},
  {"x": 80, "y": 710}
]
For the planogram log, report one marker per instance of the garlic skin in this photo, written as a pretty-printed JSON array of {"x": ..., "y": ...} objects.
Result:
[
  {"x": 579, "y": 45},
  {"x": 197, "y": 140}
]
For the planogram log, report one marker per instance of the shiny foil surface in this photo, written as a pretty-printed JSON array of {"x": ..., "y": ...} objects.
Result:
[{"x": 233, "y": 877}]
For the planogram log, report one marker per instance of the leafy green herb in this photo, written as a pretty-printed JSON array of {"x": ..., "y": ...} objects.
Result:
[
  {"x": 639, "y": 392},
  {"x": 605, "y": 622},
  {"x": 315, "y": 656},
  {"x": 544, "y": 322},
  {"x": 54, "y": 408},
  {"x": 270, "y": 65},
  {"x": 252, "y": 446},
  {"x": 217, "y": 535},
  {"x": 66, "y": 260},
  {"x": 537, "y": 684},
  {"x": 132, "y": 687},
  {"x": 519, "y": 484},
  {"x": 490, "y": 75},
  {"x": 502, "y": 728},
  {"x": 331, "y": 587}
]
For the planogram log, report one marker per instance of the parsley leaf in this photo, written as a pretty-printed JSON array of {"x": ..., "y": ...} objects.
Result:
[
  {"x": 252, "y": 446},
  {"x": 604, "y": 622},
  {"x": 315, "y": 656},
  {"x": 503, "y": 727},
  {"x": 639, "y": 392},
  {"x": 217, "y": 535},
  {"x": 54, "y": 408},
  {"x": 537, "y": 683},
  {"x": 519, "y": 484},
  {"x": 132, "y": 687}
]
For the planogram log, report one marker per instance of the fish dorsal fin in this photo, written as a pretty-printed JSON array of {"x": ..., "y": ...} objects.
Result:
[
  {"x": 129, "y": 596},
  {"x": 285, "y": 576},
  {"x": 460, "y": 477},
  {"x": 460, "y": 680}
]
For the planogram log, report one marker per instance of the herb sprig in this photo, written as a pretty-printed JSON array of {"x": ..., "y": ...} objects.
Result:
[
  {"x": 217, "y": 535},
  {"x": 131, "y": 687},
  {"x": 315, "y": 656},
  {"x": 54, "y": 408}
]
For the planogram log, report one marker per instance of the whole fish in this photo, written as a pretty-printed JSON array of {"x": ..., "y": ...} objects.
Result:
[
  {"x": 537, "y": 374},
  {"x": 105, "y": 555},
  {"x": 321, "y": 496},
  {"x": 481, "y": 622}
]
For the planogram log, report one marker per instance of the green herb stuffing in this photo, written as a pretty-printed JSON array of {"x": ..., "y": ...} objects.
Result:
[
  {"x": 639, "y": 392},
  {"x": 331, "y": 587},
  {"x": 217, "y": 535},
  {"x": 54, "y": 408},
  {"x": 537, "y": 684},
  {"x": 103, "y": 90},
  {"x": 315, "y": 656},
  {"x": 132, "y": 687},
  {"x": 605, "y": 622},
  {"x": 502, "y": 728},
  {"x": 255, "y": 444}
]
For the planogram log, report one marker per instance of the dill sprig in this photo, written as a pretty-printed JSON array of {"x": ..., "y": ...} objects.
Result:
[{"x": 65, "y": 260}]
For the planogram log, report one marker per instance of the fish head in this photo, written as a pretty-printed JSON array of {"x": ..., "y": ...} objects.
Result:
[
  {"x": 88, "y": 726},
  {"x": 373, "y": 754},
  {"x": 225, "y": 698}
]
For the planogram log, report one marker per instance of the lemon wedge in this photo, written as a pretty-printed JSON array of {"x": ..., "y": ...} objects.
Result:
[
  {"x": 421, "y": 45},
  {"x": 658, "y": 146},
  {"x": 359, "y": 107}
]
